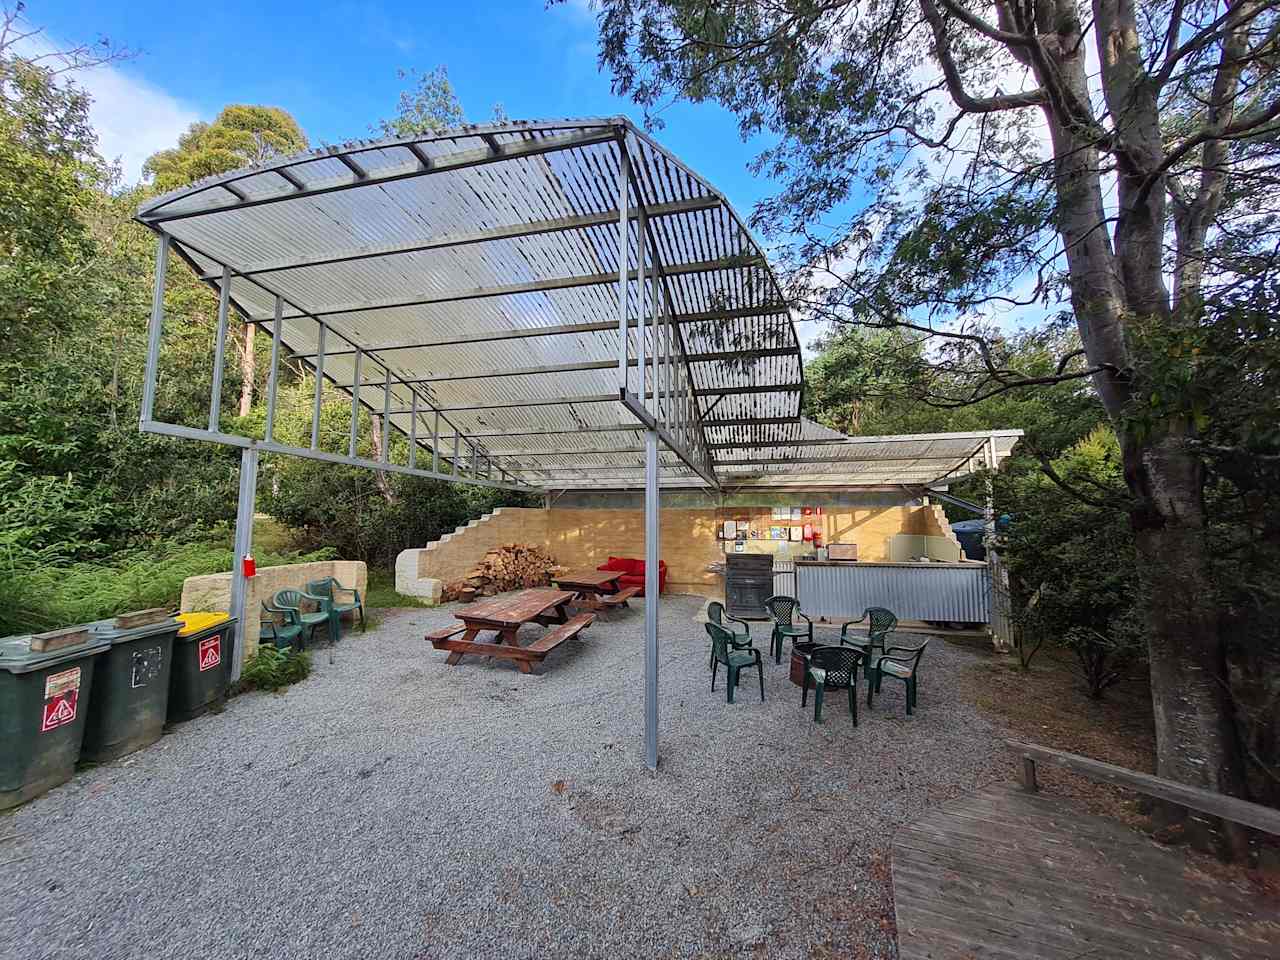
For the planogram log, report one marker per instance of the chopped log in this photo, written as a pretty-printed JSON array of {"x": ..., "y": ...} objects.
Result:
[{"x": 511, "y": 566}]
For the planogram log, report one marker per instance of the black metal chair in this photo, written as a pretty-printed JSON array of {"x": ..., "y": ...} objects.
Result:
[
  {"x": 880, "y": 623},
  {"x": 832, "y": 668}
]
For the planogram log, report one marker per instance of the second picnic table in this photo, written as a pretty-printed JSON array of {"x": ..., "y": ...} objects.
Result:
[
  {"x": 596, "y": 588},
  {"x": 505, "y": 616}
]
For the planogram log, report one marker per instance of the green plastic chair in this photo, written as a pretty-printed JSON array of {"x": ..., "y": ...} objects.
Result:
[
  {"x": 328, "y": 587},
  {"x": 282, "y": 635},
  {"x": 905, "y": 667},
  {"x": 735, "y": 660},
  {"x": 832, "y": 668},
  {"x": 741, "y": 638},
  {"x": 322, "y": 616},
  {"x": 784, "y": 610},
  {"x": 880, "y": 623}
]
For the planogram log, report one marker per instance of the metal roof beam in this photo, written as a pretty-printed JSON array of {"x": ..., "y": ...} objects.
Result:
[
  {"x": 590, "y": 428},
  {"x": 558, "y": 330},
  {"x": 510, "y": 289},
  {"x": 510, "y": 232},
  {"x": 464, "y": 158},
  {"x": 598, "y": 398}
]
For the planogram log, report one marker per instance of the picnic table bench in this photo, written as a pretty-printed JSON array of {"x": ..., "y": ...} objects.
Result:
[{"x": 505, "y": 616}]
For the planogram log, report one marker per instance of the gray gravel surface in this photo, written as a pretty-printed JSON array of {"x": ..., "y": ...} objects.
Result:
[{"x": 392, "y": 806}]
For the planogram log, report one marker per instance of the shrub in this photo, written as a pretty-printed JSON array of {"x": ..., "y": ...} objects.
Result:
[{"x": 272, "y": 669}]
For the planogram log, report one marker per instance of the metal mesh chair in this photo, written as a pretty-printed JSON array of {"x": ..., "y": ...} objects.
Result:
[
  {"x": 330, "y": 587},
  {"x": 784, "y": 610},
  {"x": 880, "y": 623},
  {"x": 735, "y": 660},
  {"x": 832, "y": 668}
]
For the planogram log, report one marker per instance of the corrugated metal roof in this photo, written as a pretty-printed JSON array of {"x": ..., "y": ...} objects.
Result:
[{"x": 480, "y": 269}]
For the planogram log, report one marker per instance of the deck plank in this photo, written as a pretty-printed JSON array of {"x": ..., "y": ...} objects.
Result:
[{"x": 1003, "y": 873}]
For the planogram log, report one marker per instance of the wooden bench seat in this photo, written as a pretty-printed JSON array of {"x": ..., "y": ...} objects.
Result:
[
  {"x": 438, "y": 637},
  {"x": 620, "y": 598},
  {"x": 553, "y": 638}
]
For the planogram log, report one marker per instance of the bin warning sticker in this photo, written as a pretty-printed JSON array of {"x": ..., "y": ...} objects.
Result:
[
  {"x": 210, "y": 652},
  {"x": 146, "y": 666},
  {"x": 61, "y": 694}
]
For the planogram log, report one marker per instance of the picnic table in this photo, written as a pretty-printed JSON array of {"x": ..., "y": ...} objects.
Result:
[
  {"x": 597, "y": 589},
  {"x": 505, "y": 616}
]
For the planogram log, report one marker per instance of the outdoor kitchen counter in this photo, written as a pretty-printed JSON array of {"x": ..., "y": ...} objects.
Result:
[{"x": 838, "y": 590}]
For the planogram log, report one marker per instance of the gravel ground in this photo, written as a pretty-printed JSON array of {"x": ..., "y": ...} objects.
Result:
[{"x": 392, "y": 806}]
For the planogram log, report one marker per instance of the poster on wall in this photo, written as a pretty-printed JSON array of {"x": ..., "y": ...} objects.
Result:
[
  {"x": 730, "y": 530},
  {"x": 781, "y": 513},
  {"x": 777, "y": 533},
  {"x": 797, "y": 533},
  {"x": 795, "y": 513}
]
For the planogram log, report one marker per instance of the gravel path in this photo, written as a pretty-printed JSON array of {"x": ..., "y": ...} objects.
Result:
[{"x": 391, "y": 806}]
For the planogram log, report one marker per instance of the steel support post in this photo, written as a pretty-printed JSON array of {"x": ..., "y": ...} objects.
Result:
[
  {"x": 154, "y": 332},
  {"x": 244, "y": 545},
  {"x": 386, "y": 418},
  {"x": 651, "y": 513},
  {"x": 319, "y": 400},
  {"x": 642, "y": 290},
  {"x": 220, "y": 349},
  {"x": 624, "y": 253},
  {"x": 355, "y": 406},
  {"x": 273, "y": 374}
]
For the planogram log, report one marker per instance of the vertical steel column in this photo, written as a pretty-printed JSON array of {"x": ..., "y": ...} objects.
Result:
[
  {"x": 656, "y": 353},
  {"x": 435, "y": 444},
  {"x": 244, "y": 545},
  {"x": 651, "y": 512},
  {"x": 988, "y": 508},
  {"x": 386, "y": 418},
  {"x": 219, "y": 350},
  {"x": 272, "y": 376},
  {"x": 453, "y": 464},
  {"x": 624, "y": 253},
  {"x": 154, "y": 332},
  {"x": 355, "y": 405},
  {"x": 413, "y": 430},
  {"x": 641, "y": 292},
  {"x": 315, "y": 412}
]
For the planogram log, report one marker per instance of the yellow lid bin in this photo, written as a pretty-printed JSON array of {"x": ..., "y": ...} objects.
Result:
[{"x": 195, "y": 622}]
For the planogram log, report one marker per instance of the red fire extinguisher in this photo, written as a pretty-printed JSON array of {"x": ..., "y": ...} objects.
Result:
[
  {"x": 248, "y": 566},
  {"x": 808, "y": 531}
]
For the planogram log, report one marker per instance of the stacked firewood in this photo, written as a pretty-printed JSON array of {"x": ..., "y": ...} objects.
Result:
[{"x": 512, "y": 566}]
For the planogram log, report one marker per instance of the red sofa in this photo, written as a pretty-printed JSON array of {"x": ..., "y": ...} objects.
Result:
[{"x": 633, "y": 572}]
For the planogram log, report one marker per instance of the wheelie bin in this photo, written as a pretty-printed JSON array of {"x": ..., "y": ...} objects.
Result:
[
  {"x": 201, "y": 663},
  {"x": 45, "y": 687},
  {"x": 131, "y": 691}
]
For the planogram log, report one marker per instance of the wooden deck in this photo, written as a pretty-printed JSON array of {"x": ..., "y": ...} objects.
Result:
[{"x": 1007, "y": 874}]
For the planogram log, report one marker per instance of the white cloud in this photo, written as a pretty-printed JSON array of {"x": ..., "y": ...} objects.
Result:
[{"x": 133, "y": 118}]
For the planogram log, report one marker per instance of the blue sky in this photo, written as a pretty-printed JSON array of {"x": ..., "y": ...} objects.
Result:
[{"x": 333, "y": 66}]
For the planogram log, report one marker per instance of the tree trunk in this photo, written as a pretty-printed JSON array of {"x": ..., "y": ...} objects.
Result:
[
  {"x": 247, "y": 365},
  {"x": 1195, "y": 733},
  {"x": 379, "y": 476}
]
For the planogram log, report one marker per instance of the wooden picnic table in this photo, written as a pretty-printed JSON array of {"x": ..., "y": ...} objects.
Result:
[
  {"x": 597, "y": 589},
  {"x": 505, "y": 616}
]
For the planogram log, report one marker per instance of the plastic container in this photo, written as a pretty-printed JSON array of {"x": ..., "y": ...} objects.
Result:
[
  {"x": 44, "y": 699},
  {"x": 131, "y": 692},
  {"x": 201, "y": 663}
]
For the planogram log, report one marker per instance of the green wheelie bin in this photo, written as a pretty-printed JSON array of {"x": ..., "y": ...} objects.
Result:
[
  {"x": 45, "y": 686},
  {"x": 201, "y": 663},
  {"x": 131, "y": 692}
]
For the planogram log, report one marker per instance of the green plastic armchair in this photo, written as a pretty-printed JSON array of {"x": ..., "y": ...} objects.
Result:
[
  {"x": 741, "y": 638},
  {"x": 722, "y": 651},
  {"x": 282, "y": 634},
  {"x": 784, "y": 610},
  {"x": 295, "y": 600},
  {"x": 880, "y": 623},
  {"x": 832, "y": 668},
  {"x": 897, "y": 663},
  {"x": 329, "y": 587}
]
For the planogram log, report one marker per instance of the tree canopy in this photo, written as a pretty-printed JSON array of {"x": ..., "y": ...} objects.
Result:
[{"x": 241, "y": 135}]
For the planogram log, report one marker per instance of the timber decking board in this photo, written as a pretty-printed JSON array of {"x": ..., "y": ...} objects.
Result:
[{"x": 1002, "y": 873}]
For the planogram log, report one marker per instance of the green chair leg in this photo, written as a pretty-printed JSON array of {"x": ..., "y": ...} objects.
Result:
[
  {"x": 853, "y": 701},
  {"x": 733, "y": 681},
  {"x": 715, "y": 665},
  {"x": 817, "y": 702},
  {"x": 760, "y": 675}
]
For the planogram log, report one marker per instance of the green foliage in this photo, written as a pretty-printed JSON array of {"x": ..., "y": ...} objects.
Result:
[
  {"x": 242, "y": 134},
  {"x": 41, "y": 591},
  {"x": 1073, "y": 565},
  {"x": 272, "y": 669},
  {"x": 428, "y": 106}
]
